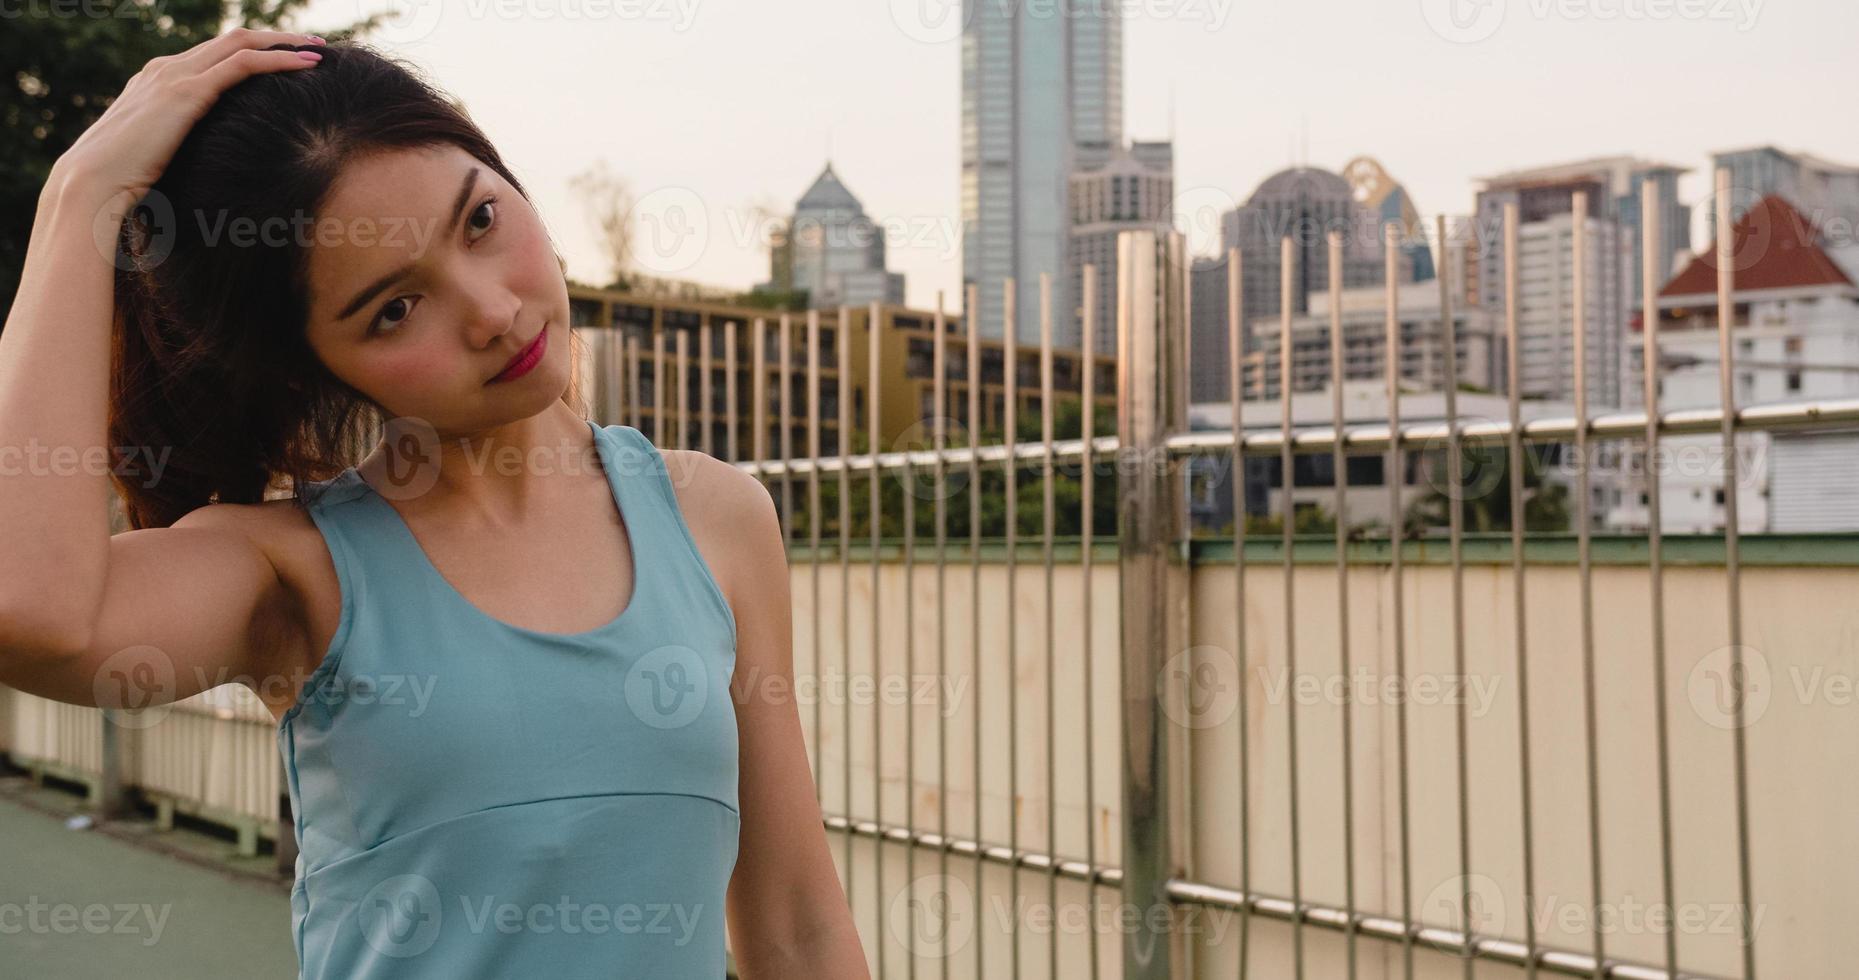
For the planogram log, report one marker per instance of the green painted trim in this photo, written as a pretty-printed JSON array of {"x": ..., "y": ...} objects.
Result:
[{"x": 1813, "y": 550}]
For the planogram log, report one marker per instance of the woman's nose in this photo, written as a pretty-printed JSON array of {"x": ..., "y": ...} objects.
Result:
[{"x": 490, "y": 317}]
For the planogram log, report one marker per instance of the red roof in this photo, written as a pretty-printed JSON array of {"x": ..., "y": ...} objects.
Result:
[{"x": 1774, "y": 248}]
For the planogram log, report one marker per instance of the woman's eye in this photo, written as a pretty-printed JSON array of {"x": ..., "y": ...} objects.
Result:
[
  {"x": 386, "y": 316},
  {"x": 485, "y": 208}
]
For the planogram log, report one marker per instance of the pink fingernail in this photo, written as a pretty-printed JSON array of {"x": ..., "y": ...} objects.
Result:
[
  {"x": 311, "y": 56},
  {"x": 317, "y": 40}
]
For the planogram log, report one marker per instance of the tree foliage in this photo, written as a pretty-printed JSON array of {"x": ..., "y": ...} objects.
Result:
[{"x": 63, "y": 64}]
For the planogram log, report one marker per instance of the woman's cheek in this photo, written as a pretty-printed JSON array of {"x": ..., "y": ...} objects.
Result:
[{"x": 406, "y": 373}]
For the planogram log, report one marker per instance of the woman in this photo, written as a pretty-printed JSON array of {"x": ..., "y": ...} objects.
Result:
[{"x": 521, "y": 663}]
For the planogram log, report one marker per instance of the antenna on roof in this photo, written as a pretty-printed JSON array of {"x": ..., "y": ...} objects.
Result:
[{"x": 1171, "y": 111}]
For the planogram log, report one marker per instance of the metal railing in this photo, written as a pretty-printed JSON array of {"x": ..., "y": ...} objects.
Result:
[{"x": 1153, "y": 581}]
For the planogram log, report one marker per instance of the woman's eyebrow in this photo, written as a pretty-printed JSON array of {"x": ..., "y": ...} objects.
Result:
[{"x": 375, "y": 288}]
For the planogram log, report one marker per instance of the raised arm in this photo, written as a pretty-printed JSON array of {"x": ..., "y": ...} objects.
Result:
[{"x": 72, "y": 598}]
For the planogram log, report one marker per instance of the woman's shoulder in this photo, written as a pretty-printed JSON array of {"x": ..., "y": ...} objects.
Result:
[{"x": 730, "y": 513}]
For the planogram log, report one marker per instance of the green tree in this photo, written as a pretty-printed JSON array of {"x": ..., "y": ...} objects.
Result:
[
  {"x": 1485, "y": 492},
  {"x": 922, "y": 488},
  {"x": 63, "y": 64}
]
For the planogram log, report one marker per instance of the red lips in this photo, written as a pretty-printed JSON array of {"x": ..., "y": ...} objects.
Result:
[{"x": 526, "y": 359}]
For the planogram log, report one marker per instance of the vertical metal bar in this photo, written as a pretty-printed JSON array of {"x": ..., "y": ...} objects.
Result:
[
  {"x": 683, "y": 415},
  {"x": 1578, "y": 323},
  {"x": 1732, "y": 556},
  {"x": 1516, "y": 467},
  {"x": 813, "y": 530},
  {"x": 1087, "y": 475},
  {"x": 634, "y": 401},
  {"x": 705, "y": 419},
  {"x": 732, "y": 410},
  {"x": 843, "y": 348},
  {"x": 1339, "y": 465},
  {"x": 1396, "y": 478},
  {"x": 1235, "y": 343},
  {"x": 907, "y": 479},
  {"x": 1287, "y": 259},
  {"x": 609, "y": 375},
  {"x": 1050, "y": 501},
  {"x": 1455, "y": 510},
  {"x": 971, "y": 316},
  {"x": 1655, "y": 551},
  {"x": 658, "y": 386},
  {"x": 1146, "y": 525},
  {"x": 785, "y": 418},
  {"x": 940, "y": 439},
  {"x": 758, "y": 388},
  {"x": 876, "y": 515},
  {"x": 1010, "y": 365}
]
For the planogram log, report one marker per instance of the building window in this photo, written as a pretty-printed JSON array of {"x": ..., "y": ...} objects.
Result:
[{"x": 919, "y": 362}]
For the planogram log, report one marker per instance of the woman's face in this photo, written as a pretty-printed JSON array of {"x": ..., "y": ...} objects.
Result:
[{"x": 428, "y": 273}]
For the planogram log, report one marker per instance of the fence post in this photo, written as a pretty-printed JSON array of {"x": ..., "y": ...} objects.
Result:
[
  {"x": 108, "y": 794},
  {"x": 1151, "y": 327}
]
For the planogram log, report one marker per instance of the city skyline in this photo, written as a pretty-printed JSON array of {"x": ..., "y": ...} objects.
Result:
[{"x": 1630, "y": 85}]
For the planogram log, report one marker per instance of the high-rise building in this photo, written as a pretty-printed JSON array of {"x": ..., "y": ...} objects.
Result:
[
  {"x": 1824, "y": 192},
  {"x": 1210, "y": 373},
  {"x": 1613, "y": 185},
  {"x": 831, "y": 249},
  {"x": 1545, "y": 312},
  {"x": 1544, "y": 197},
  {"x": 1039, "y": 82},
  {"x": 1303, "y": 204},
  {"x": 1114, "y": 189}
]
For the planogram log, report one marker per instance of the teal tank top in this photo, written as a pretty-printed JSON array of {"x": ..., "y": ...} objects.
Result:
[{"x": 473, "y": 799}]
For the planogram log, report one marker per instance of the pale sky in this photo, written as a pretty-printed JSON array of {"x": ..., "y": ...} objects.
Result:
[{"x": 712, "y": 107}]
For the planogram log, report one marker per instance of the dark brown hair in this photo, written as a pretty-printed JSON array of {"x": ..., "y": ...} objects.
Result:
[{"x": 211, "y": 363}]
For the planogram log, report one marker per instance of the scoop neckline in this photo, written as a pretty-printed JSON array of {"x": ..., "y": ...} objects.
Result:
[{"x": 446, "y": 587}]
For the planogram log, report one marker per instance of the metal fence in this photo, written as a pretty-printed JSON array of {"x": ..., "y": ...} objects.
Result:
[{"x": 899, "y": 822}]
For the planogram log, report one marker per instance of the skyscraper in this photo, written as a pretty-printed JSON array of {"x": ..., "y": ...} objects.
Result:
[
  {"x": 1303, "y": 204},
  {"x": 1039, "y": 82},
  {"x": 1544, "y": 197},
  {"x": 1613, "y": 185},
  {"x": 831, "y": 249},
  {"x": 1123, "y": 189}
]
